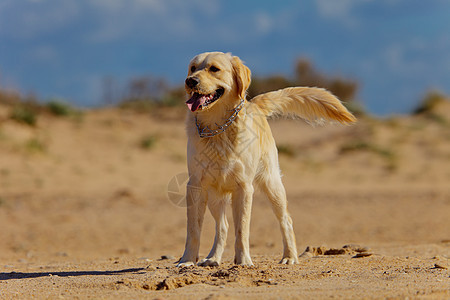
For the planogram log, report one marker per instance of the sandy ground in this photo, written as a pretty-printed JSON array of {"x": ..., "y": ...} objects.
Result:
[{"x": 85, "y": 213}]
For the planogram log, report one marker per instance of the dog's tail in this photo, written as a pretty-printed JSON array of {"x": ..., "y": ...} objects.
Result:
[{"x": 312, "y": 104}]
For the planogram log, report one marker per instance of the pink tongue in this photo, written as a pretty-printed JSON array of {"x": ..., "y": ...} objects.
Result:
[{"x": 195, "y": 101}]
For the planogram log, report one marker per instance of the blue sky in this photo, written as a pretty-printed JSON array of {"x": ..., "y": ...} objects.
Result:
[{"x": 396, "y": 49}]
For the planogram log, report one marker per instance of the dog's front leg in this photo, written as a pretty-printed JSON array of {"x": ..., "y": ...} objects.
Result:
[
  {"x": 196, "y": 205},
  {"x": 217, "y": 205},
  {"x": 242, "y": 207}
]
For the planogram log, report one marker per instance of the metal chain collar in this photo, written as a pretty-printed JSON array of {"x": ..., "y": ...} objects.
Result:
[{"x": 207, "y": 132}]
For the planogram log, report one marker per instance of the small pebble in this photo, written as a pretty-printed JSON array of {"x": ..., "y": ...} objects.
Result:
[
  {"x": 146, "y": 259},
  {"x": 363, "y": 254},
  {"x": 163, "y": 257},
  {"x": 440, "y": 266}
]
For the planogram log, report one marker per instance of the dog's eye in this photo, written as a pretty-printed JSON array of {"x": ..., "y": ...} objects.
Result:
[
  {"x": 214, "y": 69},
  {"x": 192, "y": 68}
]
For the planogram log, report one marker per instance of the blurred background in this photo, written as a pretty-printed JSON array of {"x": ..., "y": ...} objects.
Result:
[
  {"x": 92, "y": 120},
  {"x": 387, "y": 54}
]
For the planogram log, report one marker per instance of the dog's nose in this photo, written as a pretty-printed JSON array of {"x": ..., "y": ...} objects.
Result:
[{"x": 191, "y": 82}]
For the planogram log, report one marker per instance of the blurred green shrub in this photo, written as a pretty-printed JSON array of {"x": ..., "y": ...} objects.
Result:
[
  {"x": 285, "y": 149},
  {"x": 430, "y": 108},
  {"x": 388, "y": 155},
  {"x": 24, "y": 114},
  {"x": 148, "y": 142},
  {"x": 59, "y": 108},
  {"x": 429, "y": 103},
  {"x": 365, "y": 146},
  {"x": 34, "y": 145}
]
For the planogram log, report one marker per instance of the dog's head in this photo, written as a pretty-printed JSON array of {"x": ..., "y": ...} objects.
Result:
[{"x": 215, "y": 77}]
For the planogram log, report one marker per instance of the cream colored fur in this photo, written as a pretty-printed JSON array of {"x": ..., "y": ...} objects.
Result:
[{"x": 227, "y": 167}]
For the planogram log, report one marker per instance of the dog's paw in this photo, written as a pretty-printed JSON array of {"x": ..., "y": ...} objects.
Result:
[
  {"x": 243, "y": 261},
  {"x": 288, "y": 260},
  {"x": 185, "y": 264},
  {"x": 208, "y": 262}
]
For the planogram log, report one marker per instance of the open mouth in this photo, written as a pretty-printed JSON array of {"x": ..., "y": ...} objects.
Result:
[{"x": 199, "y": 101}]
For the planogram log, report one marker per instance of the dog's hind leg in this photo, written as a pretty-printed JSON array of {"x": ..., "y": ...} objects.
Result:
[
  {"x": 196, "y": 206},
  {"x": 217, "y": 206},
  {"x": 274, "y": 189}
]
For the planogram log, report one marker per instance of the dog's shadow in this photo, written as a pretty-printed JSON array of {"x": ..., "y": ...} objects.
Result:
[{"x": 28, "y": 275}]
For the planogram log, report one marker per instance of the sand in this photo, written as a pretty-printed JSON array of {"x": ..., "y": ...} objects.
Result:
[{"x": 85, "y": 212}]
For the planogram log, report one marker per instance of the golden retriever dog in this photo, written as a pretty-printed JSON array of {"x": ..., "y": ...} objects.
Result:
[{"x": 231, "y": 151}]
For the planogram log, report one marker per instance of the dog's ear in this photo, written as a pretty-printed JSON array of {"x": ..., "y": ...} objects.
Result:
[{"x": 242, "y": 76}]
